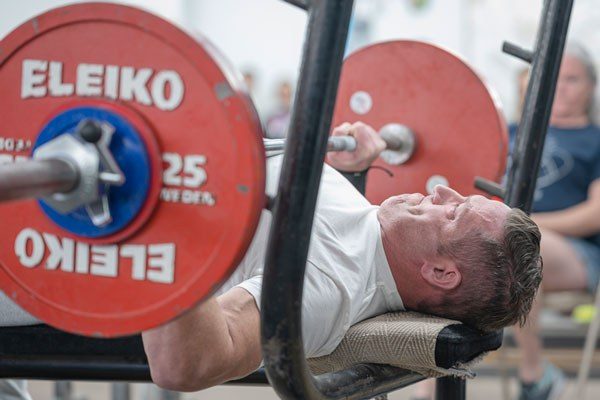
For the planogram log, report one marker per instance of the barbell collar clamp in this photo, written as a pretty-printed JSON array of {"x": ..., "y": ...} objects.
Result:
[{"x": 99, "y": 134}]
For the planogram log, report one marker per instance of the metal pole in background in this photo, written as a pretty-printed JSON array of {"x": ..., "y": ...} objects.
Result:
[{"x": 529, "y": 144}]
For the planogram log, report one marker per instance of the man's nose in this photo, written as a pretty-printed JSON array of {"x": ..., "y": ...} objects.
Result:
[{"x": 447, "y": 194}]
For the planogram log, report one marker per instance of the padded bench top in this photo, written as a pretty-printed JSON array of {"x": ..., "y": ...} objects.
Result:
[{"x": 453, "y": 344}]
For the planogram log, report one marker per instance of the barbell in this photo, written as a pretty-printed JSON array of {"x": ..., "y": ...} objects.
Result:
[
  {"x": 145, "y": 170},
  {"x": 64, "y": 181}
]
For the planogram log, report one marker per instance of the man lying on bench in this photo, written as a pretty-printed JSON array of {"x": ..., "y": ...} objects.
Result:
[{"x": 464, "y": 258}]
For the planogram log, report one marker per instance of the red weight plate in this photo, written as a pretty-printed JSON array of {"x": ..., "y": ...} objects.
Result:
[
  {"x": 201, "y": 133},
  {"x": 459, "y": 130}
]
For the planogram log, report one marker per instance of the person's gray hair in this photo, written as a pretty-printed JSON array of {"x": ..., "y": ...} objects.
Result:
[
  {"x": 579, "y": 52},
  {"x": 576, "y": 50}
]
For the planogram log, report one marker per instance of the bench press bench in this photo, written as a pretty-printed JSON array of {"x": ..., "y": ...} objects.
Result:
[{"x": 42, "y": 352}]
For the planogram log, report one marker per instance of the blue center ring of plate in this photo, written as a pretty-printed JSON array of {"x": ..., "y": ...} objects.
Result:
[{"x": 129, "y": 151}]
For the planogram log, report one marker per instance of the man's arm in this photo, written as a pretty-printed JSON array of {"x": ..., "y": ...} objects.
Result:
[
  {"x": 580, "y": 220},
  {"x": 217, "y": 341}
]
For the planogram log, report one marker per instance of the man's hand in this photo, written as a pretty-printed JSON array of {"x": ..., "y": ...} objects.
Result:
[{"x": 368, "y": 147}]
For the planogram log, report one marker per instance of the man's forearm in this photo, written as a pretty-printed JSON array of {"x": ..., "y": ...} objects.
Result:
[{"x": 581, "y": 220}]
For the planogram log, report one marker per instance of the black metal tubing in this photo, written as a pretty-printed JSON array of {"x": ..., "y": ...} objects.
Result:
[
  {"x": 529, "y": 144},
  {"x": 292, "y": 222},
  {"x": 85, "y": 370},
  {"x": 450, "y": 388},
  {"x": 94, "y": 370},
  {"x": 303, "y": 4},
  {"x": 258, "y": 377},
  {"x": 517, "y": 51},
  {"x": 490, "y": 187},
  {"x": 363, "y": 381},
  {"x": 339, "y": 383}
]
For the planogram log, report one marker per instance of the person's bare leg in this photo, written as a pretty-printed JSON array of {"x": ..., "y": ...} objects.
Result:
[
  {"x": 563, "y": 270},
  {"x": 531, "y": 366}
]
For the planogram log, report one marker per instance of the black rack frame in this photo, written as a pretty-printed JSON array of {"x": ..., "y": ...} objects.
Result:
[
  {"x": 285, "y": 364},
  {"x": 294, "y": 208}
]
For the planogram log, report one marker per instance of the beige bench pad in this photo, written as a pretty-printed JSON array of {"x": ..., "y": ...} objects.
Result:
[{"x": 402, "y": 339}]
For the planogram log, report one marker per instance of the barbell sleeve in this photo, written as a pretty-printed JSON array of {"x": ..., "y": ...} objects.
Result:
[{"x": 36, "y": 179}]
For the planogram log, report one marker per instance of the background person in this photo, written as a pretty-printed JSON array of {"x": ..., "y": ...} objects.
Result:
[
  {"x": 279, "y": 121},
  {"x": 567, "y": 209}
]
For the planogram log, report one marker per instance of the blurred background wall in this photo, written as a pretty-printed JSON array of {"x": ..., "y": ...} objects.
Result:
[{"x": 263, "y": 38}]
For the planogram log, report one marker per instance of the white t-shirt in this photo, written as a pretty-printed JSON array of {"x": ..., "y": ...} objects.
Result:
[{"x": 347, "y": 276}]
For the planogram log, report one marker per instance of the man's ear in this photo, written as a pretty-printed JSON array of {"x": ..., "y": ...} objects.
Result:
[{"x": 441, "y": 273}]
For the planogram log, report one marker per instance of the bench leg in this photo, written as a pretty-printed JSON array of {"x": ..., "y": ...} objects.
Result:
[
  {"x": 450, "y": 388},
  {"x": 120, "y": 391},
  {"x": 63, "y": 390}
]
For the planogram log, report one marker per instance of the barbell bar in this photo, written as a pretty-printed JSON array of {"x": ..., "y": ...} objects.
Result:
[
  {"x": 36, "y": 178},
  {"x": 68, "y": 172},
  {"x": 39, "y": 178},
  {"x": 399, "y": 139}
]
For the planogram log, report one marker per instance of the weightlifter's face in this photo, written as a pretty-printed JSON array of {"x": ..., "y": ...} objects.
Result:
[{"x": 426, "y": 222}]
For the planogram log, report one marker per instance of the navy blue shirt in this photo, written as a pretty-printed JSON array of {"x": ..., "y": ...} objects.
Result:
[{"x": 570, "y": 163}]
